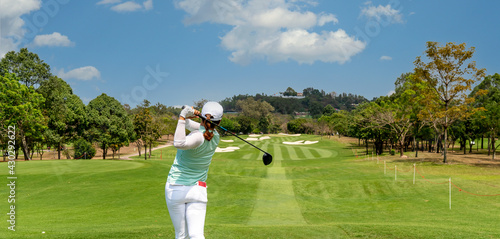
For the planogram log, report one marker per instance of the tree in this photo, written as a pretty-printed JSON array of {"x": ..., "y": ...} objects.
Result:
[
  {"x": 229, "y": 124},
  {"x": 263, "y": 125},
  {"x": 328, "y": 110},
  {"x": 366, "y": 127},
  {"x": 245, "y": 124},
  {"x": 64, "y": 110},
  {"x": 315, "y": 109},
  {"x": 142, "y": 123},
  {"x": 290, "y": 92},
  {"x": 170, "y": 122},
  {"x": 487, "y": 95},
  {"x": 298, "y": 126},
  {"x": 155, "y": 132},
  {"x": 408, "y": 94},
  {"x": 20, "y": 108},
  {"x": 149, "y": 128},
  {"x": 445, "y": 79},
  {"x": 396, "y": 115},
  {"x": 83, "y": 149},
  {"x": 254, "y": 109},
  {"x": 109, "y": 123},
  {"x": 28, "y": 67},
  {"x": 199, "y": 104}
]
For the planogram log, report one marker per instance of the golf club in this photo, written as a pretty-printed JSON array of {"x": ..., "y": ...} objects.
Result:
[{"x": 267, "y": 158}]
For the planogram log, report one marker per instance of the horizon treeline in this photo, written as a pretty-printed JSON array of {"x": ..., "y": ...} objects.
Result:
[{"x": 446, "y": 99}]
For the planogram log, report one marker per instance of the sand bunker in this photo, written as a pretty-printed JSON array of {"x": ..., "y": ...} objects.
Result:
[
  {"x": 289, "y": 134},
  {"x": 224, "y": 150},
  {"x": 300, "y": 142},
  {"x": 227, "y": 140},
  {"x": 252, "y": 139},
  {"x": 254, "y": 135},
  {"x": 265, "y": 137}
]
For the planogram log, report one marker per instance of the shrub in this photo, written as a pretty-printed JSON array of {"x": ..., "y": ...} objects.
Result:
[{"x": 83, "y": 149}]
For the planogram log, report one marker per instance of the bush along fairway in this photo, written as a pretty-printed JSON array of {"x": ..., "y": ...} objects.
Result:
[{"x": 311, "y": 190}]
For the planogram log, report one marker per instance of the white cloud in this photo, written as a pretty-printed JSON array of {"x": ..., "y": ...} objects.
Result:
[
  {"x": 54, "y": 39},
  {"x": 129, "y": 6},
  {"x": 126, "y": 7},
  {"x": 382, "y": 13},
  {"x": 148, "y": 5},
  {"x": 385, "y": 58},
  {"x": 274, "y": 30},
  {"x": 104, "y": 2},
  {"x": 11, "y": 24},
  {"x": 82, "y": 73},
  {"x": 326, "y": 18},
  {"x": 391, "y": 93}
]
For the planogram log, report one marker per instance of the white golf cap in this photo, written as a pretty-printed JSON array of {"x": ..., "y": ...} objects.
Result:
[{"x": 214, "y": 109}]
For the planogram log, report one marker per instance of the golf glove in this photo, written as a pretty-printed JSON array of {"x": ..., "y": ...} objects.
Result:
[{"x": 187, "y": 111}]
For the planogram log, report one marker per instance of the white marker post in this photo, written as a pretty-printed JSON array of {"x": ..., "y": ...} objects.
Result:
[
  {"x": 414, "y": 168},
  {"x": 395, "y": 172}
]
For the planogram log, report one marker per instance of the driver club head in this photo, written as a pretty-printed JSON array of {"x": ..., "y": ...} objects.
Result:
[{"x": 267, "y": 159}]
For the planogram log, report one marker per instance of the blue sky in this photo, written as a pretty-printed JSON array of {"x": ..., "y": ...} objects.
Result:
[{"x": 178, "y": 52}]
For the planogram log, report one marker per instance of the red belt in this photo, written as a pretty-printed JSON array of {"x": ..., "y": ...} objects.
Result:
[{"x": 203, "y": 184}]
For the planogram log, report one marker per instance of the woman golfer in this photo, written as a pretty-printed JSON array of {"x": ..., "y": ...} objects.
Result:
[{"x": 186, "y": 188}]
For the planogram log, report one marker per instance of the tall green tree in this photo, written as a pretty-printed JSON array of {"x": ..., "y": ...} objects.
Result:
[
  {"x": 263, "y": 125},
  {"x": 396, "y": 115},
  {"x": 445, "y": 79},
  {"x": 28, "y": 67},
  {"x": 20, "y": 107},
  {"x": 109, "y": 124},
  {"x": 487, "y": 95},
  {"x": 65, "y": 112},
  {"x": 407, "y": 93},
  {"x": 254, "y": 109}
]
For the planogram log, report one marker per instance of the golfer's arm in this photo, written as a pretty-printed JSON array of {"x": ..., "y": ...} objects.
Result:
[
  {"x": 192, "y": 125},
  {"x": 191, "y": 141}
]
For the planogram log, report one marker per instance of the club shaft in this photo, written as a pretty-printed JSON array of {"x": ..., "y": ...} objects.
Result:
[
  {"x": 235, "y": 135},
  {"x": 240, "y": 138}
]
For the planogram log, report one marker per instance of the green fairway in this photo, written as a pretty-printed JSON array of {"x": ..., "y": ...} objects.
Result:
[{"x": 309, "y": 191}]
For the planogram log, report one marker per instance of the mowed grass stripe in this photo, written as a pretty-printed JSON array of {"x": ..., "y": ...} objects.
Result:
[
  {"x": 315, "y": 153},
  {"x": 291, "y": 152},
  {"x": 307, "y": 153},
  {"x": 299, "y": 151},
  {"x": 284, "y": 151},
  {"x": 275, "y": 196}
]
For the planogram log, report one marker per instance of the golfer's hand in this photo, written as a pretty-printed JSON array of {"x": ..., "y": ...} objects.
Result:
[
  {"x": 187, "y": 112},
  {"x": 196, "y": 114}
]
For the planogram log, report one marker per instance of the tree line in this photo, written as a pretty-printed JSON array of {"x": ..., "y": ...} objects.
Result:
[
  {"x": 46, "y": 113},
  {"x": 444, "y": 100}
]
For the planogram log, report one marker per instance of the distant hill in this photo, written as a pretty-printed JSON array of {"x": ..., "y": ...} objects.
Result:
[{"x": 310, "y": 100}]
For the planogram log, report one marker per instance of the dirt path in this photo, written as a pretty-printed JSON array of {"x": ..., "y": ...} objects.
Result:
[{"x": 127, "y": 157}]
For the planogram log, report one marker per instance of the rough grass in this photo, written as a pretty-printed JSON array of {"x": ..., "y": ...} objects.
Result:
[{"x": 310, "y": 191}]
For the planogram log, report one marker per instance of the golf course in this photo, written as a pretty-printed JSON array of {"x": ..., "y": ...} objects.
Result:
[{"x": 316, "y": 190}]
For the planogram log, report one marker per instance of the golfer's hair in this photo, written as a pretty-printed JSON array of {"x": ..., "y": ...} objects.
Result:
[{"x": 209, "y": 127}]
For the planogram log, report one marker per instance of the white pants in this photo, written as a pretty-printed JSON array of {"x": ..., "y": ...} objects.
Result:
[{"x": 187, "y": 206}]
